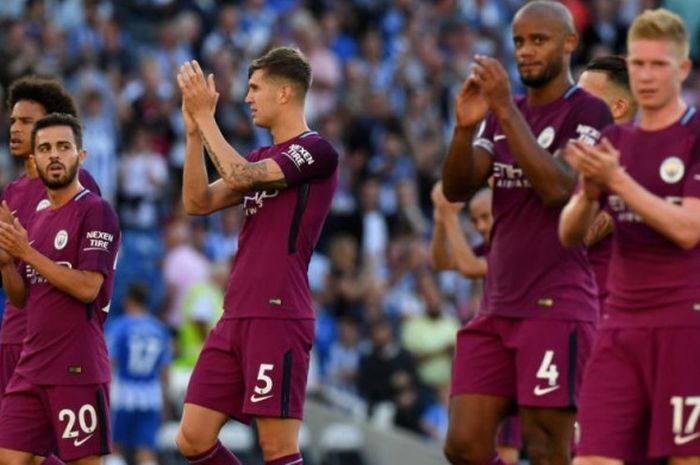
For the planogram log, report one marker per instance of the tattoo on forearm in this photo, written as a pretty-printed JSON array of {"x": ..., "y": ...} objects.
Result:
[
  {"x": 212, "y": 155},
  {"x": 250, "y": 175},
  {"x": 601, "y": 228}
]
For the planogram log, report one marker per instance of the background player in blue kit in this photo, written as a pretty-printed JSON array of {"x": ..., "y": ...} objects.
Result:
[{"x": 140, "y": 349}]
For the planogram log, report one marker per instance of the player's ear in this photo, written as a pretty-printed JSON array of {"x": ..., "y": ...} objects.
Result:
[
  {"x": 619, "y": 108},
  {"x": 285, "y": 93},
  {"x": 570, "y": 42},
  {"x": 685, "y": 67},
  {"x": 81, "y": 156}
]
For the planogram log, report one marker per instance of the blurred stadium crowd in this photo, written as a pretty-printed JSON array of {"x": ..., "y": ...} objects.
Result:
[{"x": 385, "y": 76}]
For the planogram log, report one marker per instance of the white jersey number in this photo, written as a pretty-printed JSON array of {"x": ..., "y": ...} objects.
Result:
[
  {"x": 87, "y": 421},
  {"x": 678, "y": 403},
  {"x": 266, "y": 380},
  {"x": 548, "y": 370}
]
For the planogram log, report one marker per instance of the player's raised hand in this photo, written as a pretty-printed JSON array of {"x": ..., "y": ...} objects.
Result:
[
  {"x": 493, "y": 82},
  {"x": 14, "y": 239},
  {"x": 199, "y": 94},
  {"x": 470, "y": 107},
  {"x": 597, "y": 163},
  {"x": 6, "y": 215},
  {"x": 440, "y": 202}
]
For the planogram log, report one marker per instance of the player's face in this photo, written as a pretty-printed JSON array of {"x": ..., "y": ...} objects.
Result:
[
  {"x": 539, "y": 49},
  {"x": 262, "y": 98},
  {"x": 656, "y": 72},
  {"x": 596, "y": 83},
  {"x": 480, "y": 214},
  {"x": 56, "y": 156},
  {"x": 22, "y": 117}
]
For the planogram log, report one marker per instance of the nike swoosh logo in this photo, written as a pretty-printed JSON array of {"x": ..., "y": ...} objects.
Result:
[
  {"x": 540, "y": 391},
  {"x": 680, "y": 440},
  {"x": 255, "y": 399},
  {"x": 80, "y": 442},
  {"x": 498, "y": 137}
]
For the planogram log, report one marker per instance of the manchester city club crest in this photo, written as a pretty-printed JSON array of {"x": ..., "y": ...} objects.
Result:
[
  {"x": 61, "y": 239},
  {"x": 43, "y": 204},
  {"x": 546, "y": 137},
  {"x": 672, "y": 170}
]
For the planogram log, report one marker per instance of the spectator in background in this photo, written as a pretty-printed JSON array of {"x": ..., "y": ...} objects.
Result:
[
  {"x": 100, "y": 132},
  {"x": 346, "y": 283},
  {"x": 385, "y": 366},
  {"x": 605, "y": 34},
  {"x": 430, "y": 336},
  {"x": 344, "y": 356},
  {"x": 202, "y": 306},
  {"x": 221, "y": 241},
  {"x": 142, "y": 176},
  {"x": 180, "y": 256},
  {"x": 139, "y": 347}
]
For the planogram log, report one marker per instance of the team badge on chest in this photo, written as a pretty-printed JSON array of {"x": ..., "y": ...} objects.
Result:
[
  {"x": 672, "y": 170},
  {"x": 61, "y": 239},
  {"x": 546, "y": 137},
  {"x": 43, "y": 205}
]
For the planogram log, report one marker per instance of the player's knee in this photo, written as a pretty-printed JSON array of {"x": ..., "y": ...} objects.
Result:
[
  {"x": 9, "y": 458},
  {"x": 467, "y": 451},
  {"x": 542, "y": 449},
  {"x": 189, "y": 443},
  {"x": 274, "y": 447}
]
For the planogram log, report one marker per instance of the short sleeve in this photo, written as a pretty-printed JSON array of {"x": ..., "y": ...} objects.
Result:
[
  {"x": 301, "y": 163},
  {"x": 585, "y": 122},
  {"x": 485, "y": 134},
  {"x": 100, "y": 238},
  {"x": 88, "y": 182}
]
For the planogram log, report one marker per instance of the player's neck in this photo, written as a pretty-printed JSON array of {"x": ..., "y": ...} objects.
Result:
[
  {"x": 30, "y": 168},
  {"x": 659, "y": 118},
  {"x": 289, "y": 125},
  {"x": 60, "y": 197},
  {"x": 553, "y": 90}
]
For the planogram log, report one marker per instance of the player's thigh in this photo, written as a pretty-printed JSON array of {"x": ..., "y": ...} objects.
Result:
[
  {"x": 675, "y": 414},
  {"x": 474, "y": 419},
  {"x": 596, "y": 460},
  {"x": 89, "y": 460},
  {"x": 15, "y": 457},
  {"x": 550, "y": 358},
  {"x": 218, "y": 380},
  {"x": 276, "y": 365},
  {"x": 278, "y": 436},
  {"x": 80, "y": 418},
  {"x": 613, "y": 413},
  {"x": 482, "y": 364},
  {"x": 25, "y": 424}
]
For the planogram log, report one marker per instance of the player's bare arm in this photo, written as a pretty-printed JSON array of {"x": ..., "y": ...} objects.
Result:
[
  {"x": 452, "y": 251},
  {"x": 551, "y": 178},
  {"x": 601, "y": 228},
  {"x": 82, "y": 285},
  {"x": 466, "y": 167},
  {"x": 579, "y": 214},
  {"x": 199, "y": 196},
  {"x": 678, "y": 222},
  {"x": 237, "y": 173}
]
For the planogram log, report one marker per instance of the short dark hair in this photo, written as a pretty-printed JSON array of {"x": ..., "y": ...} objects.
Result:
[
  {"x": 287, "y": 63},
  {"x": 59, "y": 119},
  {"x": 614, "y": 67},
  {"x": 49, "y": 93},
  {"x": 138, "y": 293}
]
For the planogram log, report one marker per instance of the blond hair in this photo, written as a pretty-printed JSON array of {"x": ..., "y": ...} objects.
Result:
[{"x": 660, "y": 24}]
